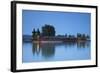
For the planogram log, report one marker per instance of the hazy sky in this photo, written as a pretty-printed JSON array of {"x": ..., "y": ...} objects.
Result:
[{"x": 64, "y": 22}]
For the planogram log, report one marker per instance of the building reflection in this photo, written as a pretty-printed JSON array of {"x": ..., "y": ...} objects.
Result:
[{"x": 47, "y": 50}]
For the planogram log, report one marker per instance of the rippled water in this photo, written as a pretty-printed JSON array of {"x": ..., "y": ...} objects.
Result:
[{"x": 39, "y": 52}]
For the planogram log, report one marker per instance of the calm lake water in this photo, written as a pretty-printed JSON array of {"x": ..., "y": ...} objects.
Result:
[{"x": 39, "y": 52}]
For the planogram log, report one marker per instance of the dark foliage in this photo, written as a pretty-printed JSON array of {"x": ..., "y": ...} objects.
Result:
[{"x": 48, "y": 30}]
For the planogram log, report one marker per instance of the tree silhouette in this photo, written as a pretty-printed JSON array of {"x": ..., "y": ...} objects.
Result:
[
  {"x": 48, "y": 30},
  {"x": 87, "y": 37},
  {"x": 38, "y": 32},
  {"x": 83, "y": 37},
  {"x": 33, "y": 33},
  {"x": 79, "y": 35}
]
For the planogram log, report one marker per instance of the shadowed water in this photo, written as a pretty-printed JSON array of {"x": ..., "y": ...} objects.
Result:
[{"x": 39, "y": 52}]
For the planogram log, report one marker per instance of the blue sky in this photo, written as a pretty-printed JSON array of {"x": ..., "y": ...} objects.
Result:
[{"x": 64, "y": 22}]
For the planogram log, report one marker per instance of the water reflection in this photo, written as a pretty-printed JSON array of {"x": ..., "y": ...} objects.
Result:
[
  {"x": 38, "y": 52},
  {"x": 48, "y": 50},
  {"x": 83, "y": 44}
]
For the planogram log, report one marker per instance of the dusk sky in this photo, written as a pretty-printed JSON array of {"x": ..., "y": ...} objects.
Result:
[{"x": 64, "y": 22}]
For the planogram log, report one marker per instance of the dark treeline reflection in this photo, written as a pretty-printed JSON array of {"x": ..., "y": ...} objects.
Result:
[
  {"x": 47, "y": 50},
  {"x": 84, "y": 44}
]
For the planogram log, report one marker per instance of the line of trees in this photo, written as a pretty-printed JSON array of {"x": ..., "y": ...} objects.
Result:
[
  {"x": 79, "y": 35},
  {"x": 35, "y": 33},
  {"x": 49, "y": 31},
  {"x": 83, "y": 36}
]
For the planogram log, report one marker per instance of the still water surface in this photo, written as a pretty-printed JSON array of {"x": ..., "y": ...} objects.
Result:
[{"x": 39, "y": 52}]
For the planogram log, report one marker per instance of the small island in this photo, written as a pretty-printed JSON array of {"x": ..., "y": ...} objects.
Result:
[{"x": 48, "y": 35}]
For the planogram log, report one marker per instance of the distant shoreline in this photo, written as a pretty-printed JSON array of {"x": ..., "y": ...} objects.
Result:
[{"x": 54, "y": 39}]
